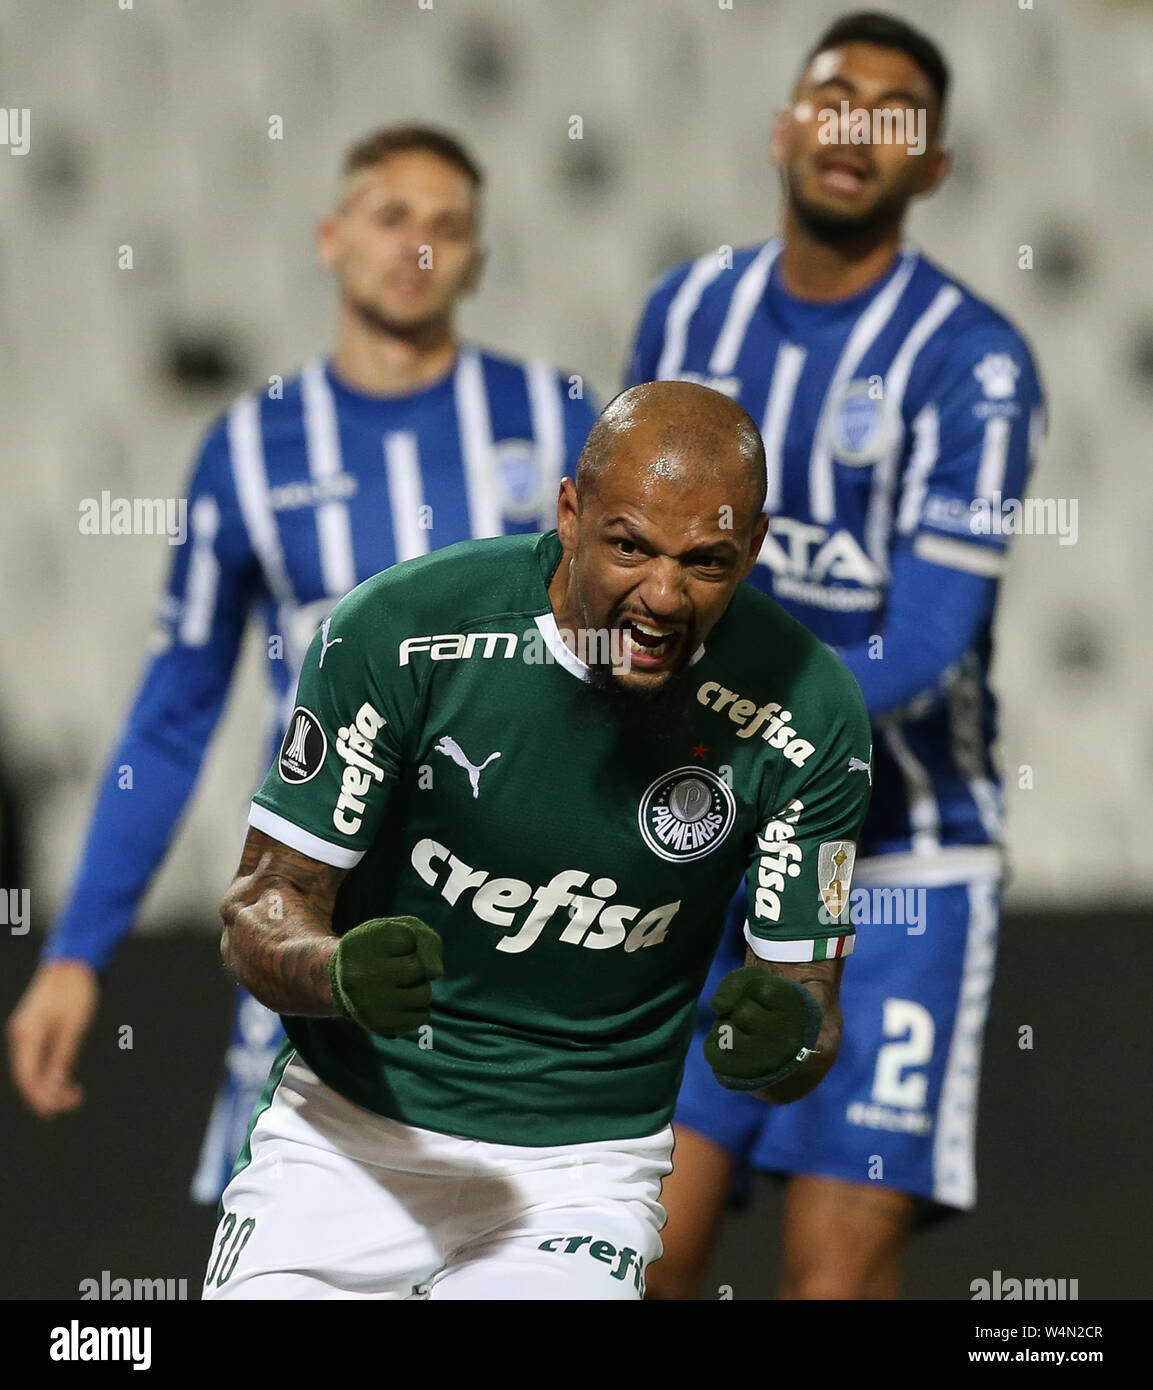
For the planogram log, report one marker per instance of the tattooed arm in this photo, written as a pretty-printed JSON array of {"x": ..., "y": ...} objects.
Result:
[
  {"x": 823, "y": 981},
  {"x": 278, "y": 936}
]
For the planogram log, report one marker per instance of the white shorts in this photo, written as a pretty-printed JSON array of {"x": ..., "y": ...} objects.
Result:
[{"x": 338, "y": 1202}]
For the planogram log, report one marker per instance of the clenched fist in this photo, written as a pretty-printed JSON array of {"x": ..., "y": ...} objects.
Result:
[
  {"x": 765, "y": 1028},
  {"x": 382, "y": 974}
]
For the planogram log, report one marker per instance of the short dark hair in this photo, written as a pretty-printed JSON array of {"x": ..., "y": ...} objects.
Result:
[
  {"x": 886, "y": 31},
  {"x": 400, "y": 139}
]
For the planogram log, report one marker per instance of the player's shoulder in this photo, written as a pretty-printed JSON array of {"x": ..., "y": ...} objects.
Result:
[
  {"x": 455, "y": 589},
  {"x": 526, "y": 374},
  {"x": 721, "y": 268},
  {"x": 974, "y": 324},
  {"x": 500, "y": 367},
  {"x": 251, "y": 413},
  {"x": 765, "y": 654}
]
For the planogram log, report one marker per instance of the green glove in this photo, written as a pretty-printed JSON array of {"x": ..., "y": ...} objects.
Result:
[
  {"x": 382, "y": 973},
  {"x": 765, "y": 1028}
]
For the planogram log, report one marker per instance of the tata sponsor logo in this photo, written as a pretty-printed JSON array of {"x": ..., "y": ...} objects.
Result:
[
  {"x": 686, "y": 814},
  {"x": 354, "y": 746},
  {"x": 813, "y": 565},
  {"x": 594, "y": 921},
  {"x": 771, "y": 721},
  {"x": 780, "y": 860}
]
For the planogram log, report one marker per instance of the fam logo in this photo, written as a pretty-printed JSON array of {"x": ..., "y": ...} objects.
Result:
[
  {"x": 518, "y": 479},
  {"x": 860, "y": 428},
  {"x": 686, "y": 814}
]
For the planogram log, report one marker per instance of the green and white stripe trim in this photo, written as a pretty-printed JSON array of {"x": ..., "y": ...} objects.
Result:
[
  {"x": 815, "y": 948},
  {"x": 295, "y": 837}
]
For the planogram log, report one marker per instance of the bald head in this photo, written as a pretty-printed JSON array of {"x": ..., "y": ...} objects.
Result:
[{"x": 680, "y": 434}]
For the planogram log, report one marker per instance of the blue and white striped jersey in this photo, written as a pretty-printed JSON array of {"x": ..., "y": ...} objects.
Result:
[
  {"x": 885, "y": 416},
  {"x": 298, "y": 495}
]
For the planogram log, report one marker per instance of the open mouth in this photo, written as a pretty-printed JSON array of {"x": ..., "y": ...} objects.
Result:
[
  {"x": 647, "y": 645},
  {"x": 843, "y": 174}
]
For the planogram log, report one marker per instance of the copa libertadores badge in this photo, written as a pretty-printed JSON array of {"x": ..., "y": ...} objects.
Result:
[
  {"x": 303, "y": 750},
  {"x": 685, "y": 814}
]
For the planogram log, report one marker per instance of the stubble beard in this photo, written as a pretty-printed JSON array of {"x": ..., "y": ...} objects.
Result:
[
  {"x": 659, "y": 712},
  {"x": 417, "y": 331},
  {"x": 842, "y": 229}
]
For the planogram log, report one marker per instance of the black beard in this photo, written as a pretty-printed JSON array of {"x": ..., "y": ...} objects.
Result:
[
  {"x": 657, "y": 714},
  {"x": 842, "y": 229}
]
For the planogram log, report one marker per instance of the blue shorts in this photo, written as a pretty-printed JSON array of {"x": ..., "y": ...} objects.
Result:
[{"x": 900, "y": 1106}]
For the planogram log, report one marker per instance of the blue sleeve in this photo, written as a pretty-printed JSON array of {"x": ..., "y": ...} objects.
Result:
[
  {"x": 649, "y": 340},
  {"x": 975, "y": 428},
  {"x": 932, "y": 618},
  {"x": 155, "y": 764}
]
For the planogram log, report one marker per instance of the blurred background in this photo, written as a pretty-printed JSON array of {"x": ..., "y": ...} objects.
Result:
[{"x": 150, "y": 129}]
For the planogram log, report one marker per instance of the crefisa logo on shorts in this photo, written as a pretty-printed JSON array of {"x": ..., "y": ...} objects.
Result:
[{"x": 686, "y": 814}]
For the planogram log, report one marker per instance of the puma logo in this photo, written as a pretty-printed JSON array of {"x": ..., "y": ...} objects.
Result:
[
  {"x": 857, "y": 765},
  {"x": 324, "y": 642},
  {"x": 451, "y": 749}
]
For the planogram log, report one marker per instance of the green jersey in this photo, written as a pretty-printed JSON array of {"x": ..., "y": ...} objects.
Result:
[{"x": 448, "y": 749}]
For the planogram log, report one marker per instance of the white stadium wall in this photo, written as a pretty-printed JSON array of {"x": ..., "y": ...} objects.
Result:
[{"x": 149, "y": 129}]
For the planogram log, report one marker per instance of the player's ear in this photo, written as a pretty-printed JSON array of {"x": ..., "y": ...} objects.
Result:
[
  {"x": 782, "y": 123},
  {"x": 760, "y": 528},
  {"x": 325, "y": 237},
  {"x": 936, "y": 168},
  {"x": 475, "y": 270},
  {"x": 566, "y": 514}
]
